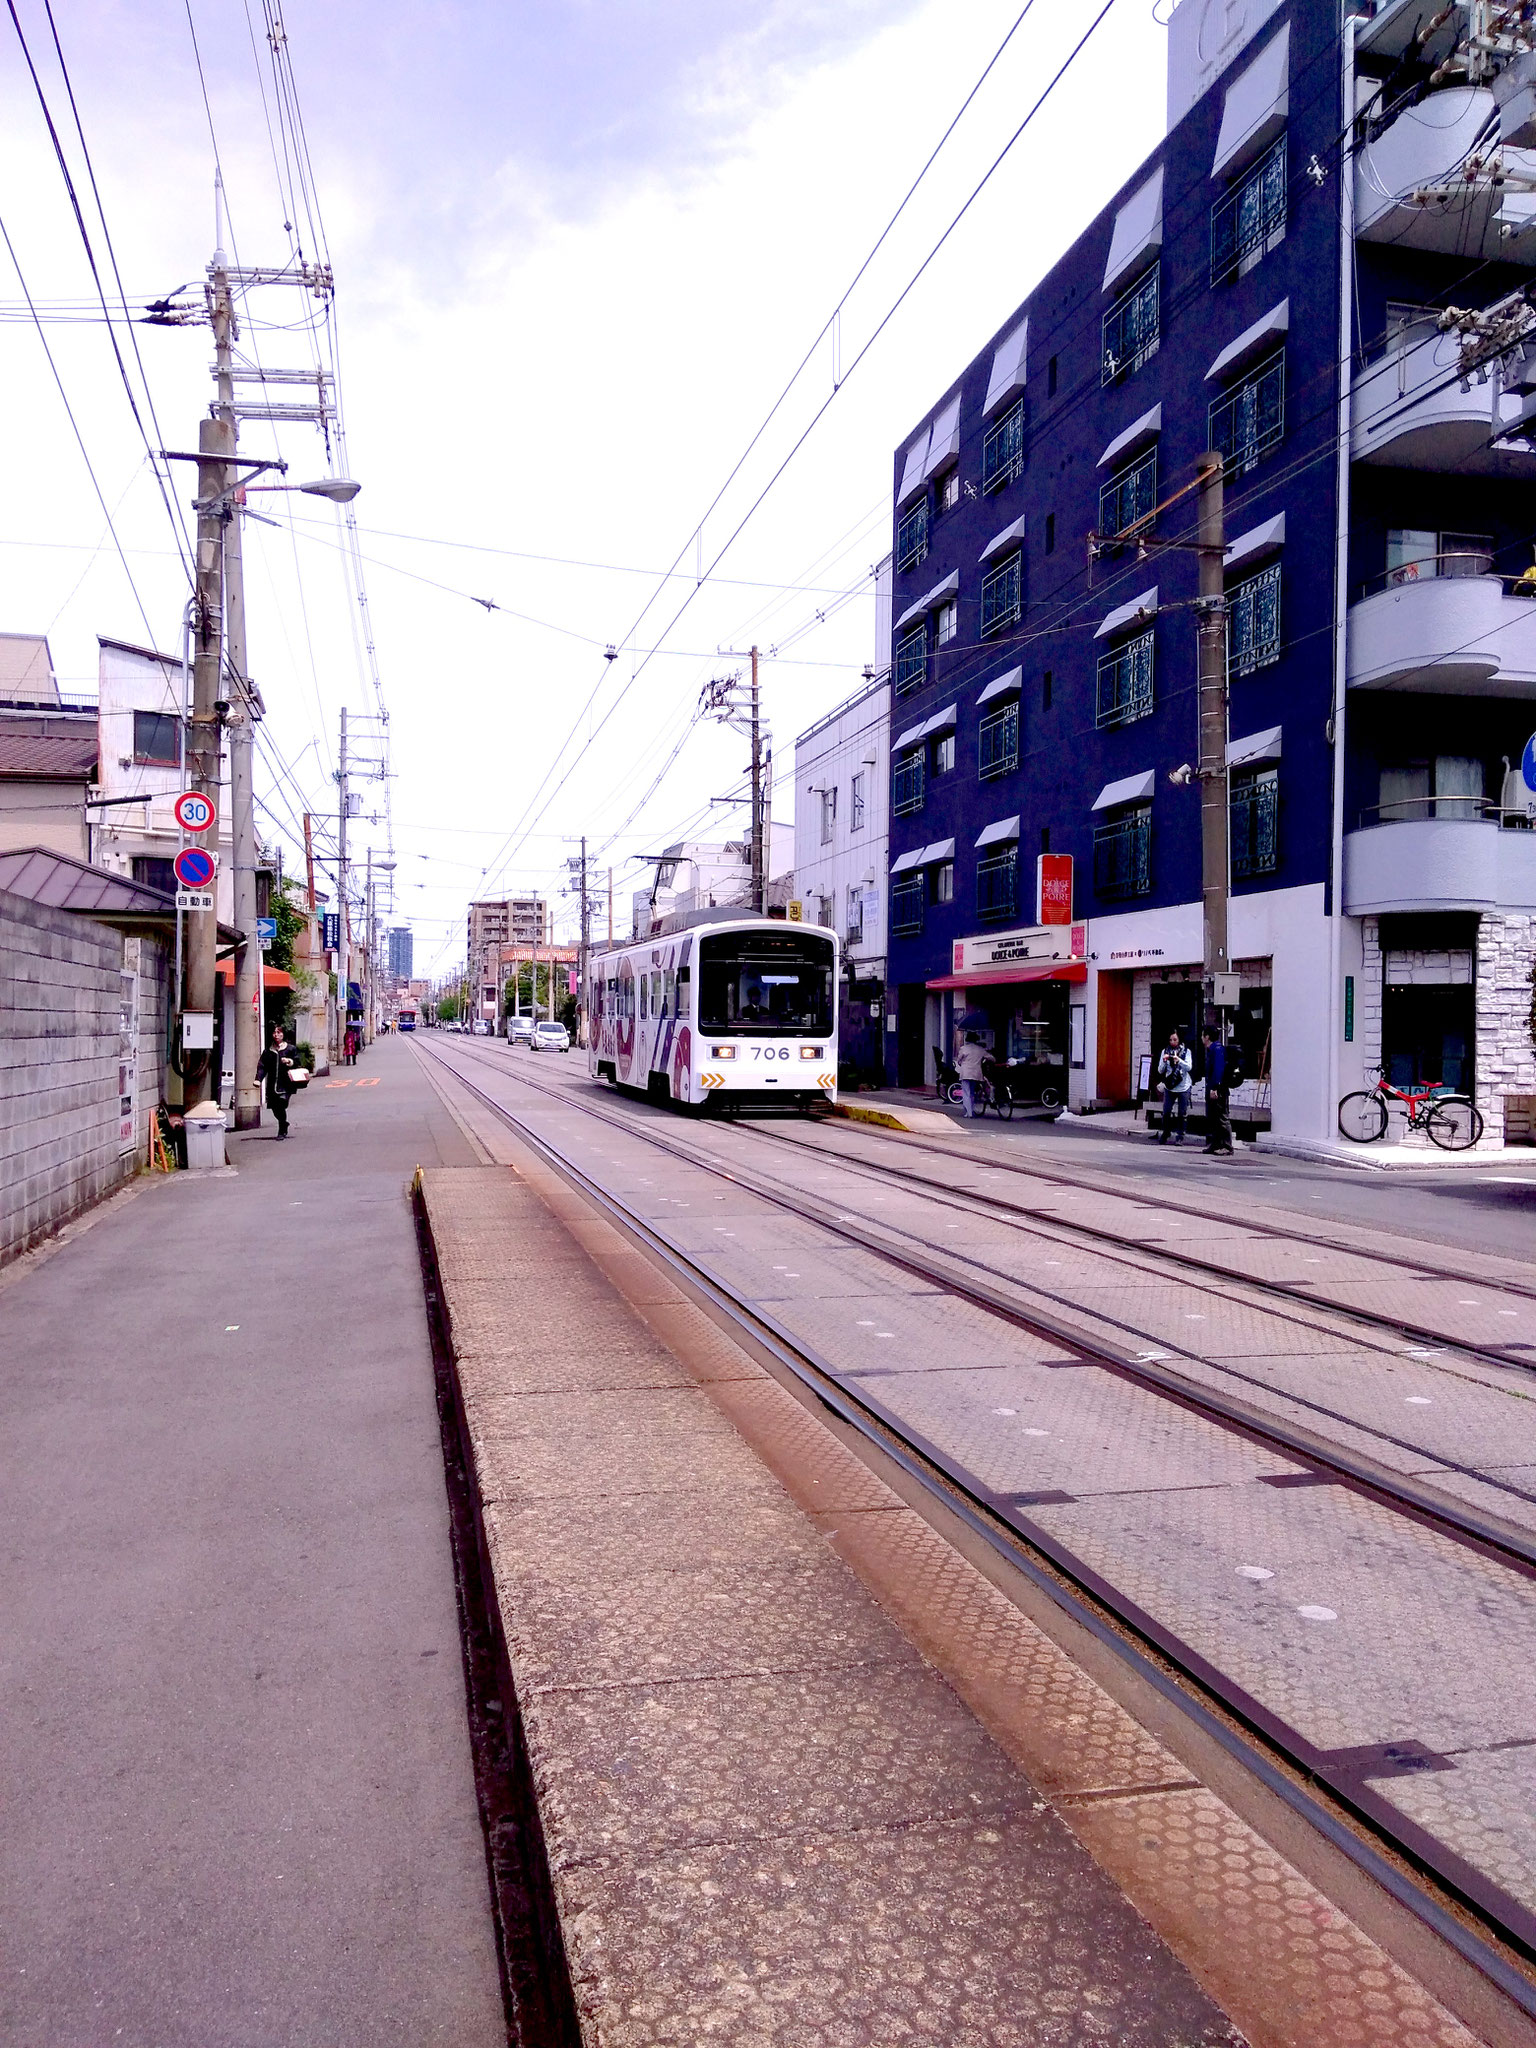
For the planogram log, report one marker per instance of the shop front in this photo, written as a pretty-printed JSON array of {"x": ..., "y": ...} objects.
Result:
[{"x": 1022, "y": 994}]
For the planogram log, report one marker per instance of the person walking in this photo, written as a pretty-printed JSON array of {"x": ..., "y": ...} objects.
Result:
[
  {"x": 273, "y": 1068},
  {"x": 1175, "y": 1070},
  {"x": 1218, "y": 1097},
  {"x": 970, "y": 1065}
]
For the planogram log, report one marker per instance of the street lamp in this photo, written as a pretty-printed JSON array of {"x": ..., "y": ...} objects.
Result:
[{"x": 341, "y": 490}]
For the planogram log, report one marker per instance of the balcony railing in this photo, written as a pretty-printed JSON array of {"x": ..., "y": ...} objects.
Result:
[
  {"x": 1122, "y": 856},
  {"x": 997, "y": 742},
  {"x": 1413, "y": 191},
  {"x": 1452, "y": 635},
  {"x": 1409, "y": 409},
  {"x": 1249, "y": 421},
  {"x": 907, "y": 785},
  {"x": 1255, "y": 826},
  {"x": 1001, "y": 597},
  {"x": 908, "y": 900},
  {"x": 1125, "y": 682},
  {"x": 1430, "y": 864},
  {"x": 1002, "y": 451},
  {"x": 910, "y": 669},
  {"x": 1250, "y": 220},
  {"x": 1132, "y": 328},
  {"x": 912, "y": 536},
  {"x": 1128, "y": 496},
  {"x": 997, "y": 885}
]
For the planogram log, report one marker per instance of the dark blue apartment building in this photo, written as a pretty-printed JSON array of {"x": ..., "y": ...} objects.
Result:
[{"x": 1268, "y": 285}]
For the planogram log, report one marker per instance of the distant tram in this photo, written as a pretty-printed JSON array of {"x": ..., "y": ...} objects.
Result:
[
  {"x": 407, "y": 1017},
  {"x": 725, "y": 1009}
]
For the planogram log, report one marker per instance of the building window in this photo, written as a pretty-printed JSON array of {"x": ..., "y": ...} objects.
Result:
[
  {"x": 1050, "y": 378},
  {"x": 856, "y": 803},
  {"x": 912, "y": 535},
  {"x": 1129, "y": 496},
  {"x": 997, "y": 743},
  {"x": 1000, "y": 596},
  {"x": 1125, "y": 682},
  {"x": 944, "y": 754},
  {"x": 943, "y": 884},
  {"x": 1414, "y": 553},
  {"x": 945, "y": 621},
  {"x": 1255, "y": 811},
  {"x": 907, "y": 785},
  {"x": 949, "y": 491},
  {"x": 1250, "y": 420},
  {"x": 155, "y": 874},
  {"x": 1045, "y": 690},
  {"x": 1045, "y": 838},
  {"x": 997, "y": 885},
  {"x": 828, "y": 815},
  {"x": 157, "y": 738},
  {"x": 908, "y": 898},
  {"x": 855, "y": 916},
  {"x": 1050, "y": 533},
  {"x": 1122, "y": 854},
  {"x": 1253, "y": 623},
  {"x": 1002, "y": 452},
  {"x": 1132, "y": 328},
  {"x": 912, "y": 660},
  {"x": 1250, "y": 220}
]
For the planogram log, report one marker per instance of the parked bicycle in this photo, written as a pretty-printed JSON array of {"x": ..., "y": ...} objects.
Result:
[
  {"x": 1453, "y": 1122},
  {"x": 1005, "y": 1085}
]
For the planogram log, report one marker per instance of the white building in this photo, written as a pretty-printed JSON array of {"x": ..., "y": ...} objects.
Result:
[
  {"x": 842, "y": 823},
  {"x": 693, "y": 875}
]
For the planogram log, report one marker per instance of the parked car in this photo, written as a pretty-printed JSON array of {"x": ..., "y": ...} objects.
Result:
[
  {"x": 551, "y": 1038},
  {"x": 520, "y": 1031}
]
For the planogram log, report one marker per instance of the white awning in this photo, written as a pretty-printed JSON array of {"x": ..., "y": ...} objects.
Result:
[
  {"x": 941, "y": 721},
  {"x": 909, "y": 738},
  {"x": 1133, "y": 614},
  {"x": 1005, "y": 539},
  {"x": 1005, "y": 686},
  {"x": 929, "y": 599},
  {"x": 1259, "y": 746},
  {"x": 1256, "y": 542},
  {"x": 941, "y": 849},
  {"x": 1257, "y": 106},
  {"x": 1138, "y": 230},
  {"x": 906, "y": 861},
  {"x": 1007, "y": 376},
  {"x": 945, "y": 444},
  {"x": 1144, "y": 429},
  {"x": 1130, "y": 789},
  {"x": 999, "y": 834},
  {"x": 1253, "y": 341},
  {"x": 914, "y": 469}
]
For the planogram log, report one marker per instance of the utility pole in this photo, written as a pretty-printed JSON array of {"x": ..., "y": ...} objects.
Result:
[
  {"x": 759, "y": 865},
  {"x": 1215, "y": 820},
  {"x": 610, "y": 906},
  {"x": 341, "y": 894},
  {"x": 215, "y": 444},
  {"x": 309, "y": 858},
  {"x": 583, "y": 1022}
]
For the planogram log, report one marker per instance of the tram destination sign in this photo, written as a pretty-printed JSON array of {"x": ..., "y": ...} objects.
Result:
[{"x": 1042, "y": 942}]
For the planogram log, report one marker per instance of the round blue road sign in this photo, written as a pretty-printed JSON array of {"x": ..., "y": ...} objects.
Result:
[
  {"x": 194, "y": 867},
  {"x": 1528, "y": 764}
]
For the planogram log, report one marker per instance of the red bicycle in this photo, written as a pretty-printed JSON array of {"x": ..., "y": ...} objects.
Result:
[{"x": 1453, "y": 1122}]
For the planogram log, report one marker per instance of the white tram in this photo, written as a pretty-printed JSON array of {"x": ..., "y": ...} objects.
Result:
[{"x": 721, "y": 1008}]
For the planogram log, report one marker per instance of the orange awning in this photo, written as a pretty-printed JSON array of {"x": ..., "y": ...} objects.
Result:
[
  {"x": 271, "y": 977},
  {"x": 994, "y": 977}
]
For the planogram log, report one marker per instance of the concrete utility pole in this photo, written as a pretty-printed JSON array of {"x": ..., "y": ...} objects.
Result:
[
  {"x": 759, "y": 864},
  {"x": 341, "y": 892},
  {"x": 1211, "y": 629},
  {"x": 216, "y": 444},
  {"x": 583, "y": 1023}
]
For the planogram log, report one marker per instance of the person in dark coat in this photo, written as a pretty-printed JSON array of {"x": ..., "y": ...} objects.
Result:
[
  {"x": 273, "y": 1068},
  {"x": 1218, "y": 1096}
]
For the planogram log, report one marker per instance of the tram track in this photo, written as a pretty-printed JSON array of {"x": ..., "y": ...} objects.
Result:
[{"x": 1486, "y": 1924}]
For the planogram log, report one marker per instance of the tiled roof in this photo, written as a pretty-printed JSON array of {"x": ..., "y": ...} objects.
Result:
[{"x": 69, "y": 756}]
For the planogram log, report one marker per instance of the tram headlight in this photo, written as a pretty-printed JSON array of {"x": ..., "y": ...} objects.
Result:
[
  {"x": 722, "y": 1052},
  {"x": 810, "y": 1052}
]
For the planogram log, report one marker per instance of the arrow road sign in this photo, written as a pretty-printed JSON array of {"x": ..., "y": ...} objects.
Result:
[
  {"x": 266, "y": 931},
  {"x": 194, "y": 867},
  {"x": 194, "y": 811}
]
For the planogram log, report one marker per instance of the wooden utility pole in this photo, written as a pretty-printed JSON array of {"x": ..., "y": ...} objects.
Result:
[{"x": 1211, "y": 630}]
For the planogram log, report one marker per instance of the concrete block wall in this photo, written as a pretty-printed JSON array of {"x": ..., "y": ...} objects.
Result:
[
  {"x": 1506, "y": 1059},
  {"x": 60, "y": 1035}
]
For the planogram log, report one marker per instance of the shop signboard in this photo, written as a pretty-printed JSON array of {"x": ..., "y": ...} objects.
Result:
[
  {"x": 1053, "y": 888},
  {"x": 1035, "y": 944}
]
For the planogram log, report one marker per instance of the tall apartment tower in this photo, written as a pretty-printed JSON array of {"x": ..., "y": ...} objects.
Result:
[
  {"x": 1269, "y": 284},
  {"x": 401, "y": 953}
]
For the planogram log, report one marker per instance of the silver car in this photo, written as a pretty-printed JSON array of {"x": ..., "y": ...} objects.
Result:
[
  {"x": 520, "y": 1031},
  {"x": 551, "y": 1038}
]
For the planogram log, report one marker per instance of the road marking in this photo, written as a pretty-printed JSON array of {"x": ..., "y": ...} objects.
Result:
[
  {"x": 230, "y": 1326},
  {"x": 865, "y": 1323},
  {"x": 1256, "y": 1572},
  {"x": 1317, "y": 1614},
  {"x": 1037, "y": 1432},
  {"x": 1005, "y": 1411},
  {"x": 1420, "y": 1401}
]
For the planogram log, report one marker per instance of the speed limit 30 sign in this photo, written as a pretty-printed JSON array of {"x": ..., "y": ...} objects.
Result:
[{"x": 194, "y": 811}]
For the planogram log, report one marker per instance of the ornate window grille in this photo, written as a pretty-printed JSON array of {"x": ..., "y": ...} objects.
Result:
[
  {"x": 911, "y": 660},
  {"x": 1253, "y": 623},
  {"x": 1249, "y": 221},
  {"x": 1255, "y": 829},
  {"x": 907, "y": 785},
  {"x": 1002, "y": 452},
  {"x": 1002, "y": 596},
  {"x": 1122, "y": 855},
  {"x": 1125, "y": 682},
  {"x": 997, "y": 747},
  {"x": 1129, "y": 495},
  {"x": 1132, "y": 328},
  {"x": 997, "y": 885},
  {"x": 1250, "y": 420},
  {"x": 908, "y": 898},
  {"x": 912, "y": 535}
]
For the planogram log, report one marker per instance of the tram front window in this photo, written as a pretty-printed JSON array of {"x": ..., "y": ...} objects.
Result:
[{"x": 766, "y": 982}]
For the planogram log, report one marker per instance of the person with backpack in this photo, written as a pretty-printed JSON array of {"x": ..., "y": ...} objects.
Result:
[
  {"x": 1222, "y": 1073},
  {"x": 1175, "y": 1070}
]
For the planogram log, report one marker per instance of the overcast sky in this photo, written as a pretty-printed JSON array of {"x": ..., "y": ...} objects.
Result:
[{"x": 578, "y": 249}]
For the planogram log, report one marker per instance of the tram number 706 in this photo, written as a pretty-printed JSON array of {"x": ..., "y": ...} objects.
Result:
[{"x": 770, "y": 1052}]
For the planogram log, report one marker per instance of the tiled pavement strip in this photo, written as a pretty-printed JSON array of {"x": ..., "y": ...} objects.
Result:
[{"x": 632, "y": 1536}]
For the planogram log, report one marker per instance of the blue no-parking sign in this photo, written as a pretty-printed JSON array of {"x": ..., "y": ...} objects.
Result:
[{"x": 194, "y": 867}]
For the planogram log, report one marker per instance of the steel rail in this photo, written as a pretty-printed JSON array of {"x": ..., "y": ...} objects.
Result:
[{"x": 1461, "y": 1907}]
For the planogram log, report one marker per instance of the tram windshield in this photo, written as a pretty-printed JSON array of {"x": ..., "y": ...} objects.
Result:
[{"x": 768, "y": 982}]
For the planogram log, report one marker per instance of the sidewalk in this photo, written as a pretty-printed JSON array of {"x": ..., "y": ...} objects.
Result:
[{"x": 236, "y": 1779}]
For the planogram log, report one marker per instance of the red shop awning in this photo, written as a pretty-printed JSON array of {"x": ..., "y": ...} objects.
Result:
[
  {"x": 271, "y": 977},
  {"x": 996, "y": 977}
]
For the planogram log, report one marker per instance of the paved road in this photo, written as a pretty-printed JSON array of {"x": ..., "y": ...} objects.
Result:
[{"x": 235, "y": 1775}]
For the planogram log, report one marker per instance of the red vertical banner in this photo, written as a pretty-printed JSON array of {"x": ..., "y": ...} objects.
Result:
[{"x": 1053, "y": 888}]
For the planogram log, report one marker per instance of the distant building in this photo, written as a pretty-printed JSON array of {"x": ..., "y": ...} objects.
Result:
[
  {"x": 502, "y": 930},
  {"x": 400, "y": 953},
  {"x": 47, "y": 753},
  {"x": 693, "y": 875}
]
